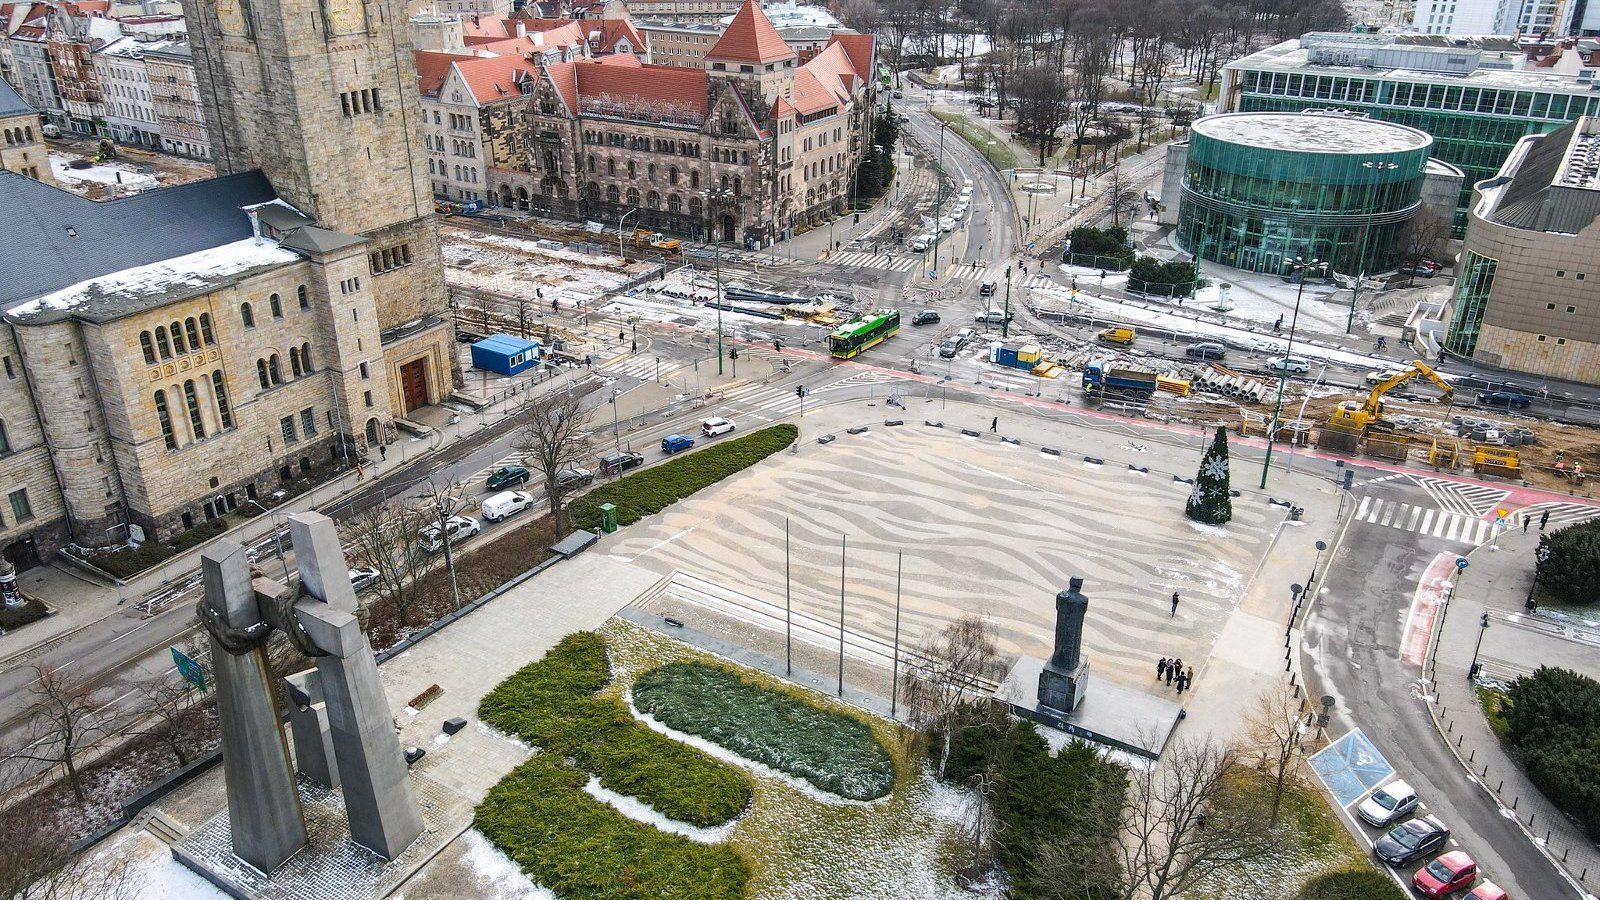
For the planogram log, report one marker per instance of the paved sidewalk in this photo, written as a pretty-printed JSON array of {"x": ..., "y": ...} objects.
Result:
[
  {"x": 1497, "y": 582},
  {"x": 79, "y": 599}
]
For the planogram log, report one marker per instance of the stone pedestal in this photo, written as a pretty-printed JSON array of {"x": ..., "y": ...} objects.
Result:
[{"x": 1062, "y": 691}]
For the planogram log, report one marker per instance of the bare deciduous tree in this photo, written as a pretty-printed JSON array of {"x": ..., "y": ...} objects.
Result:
[
  {"x": 437, "y": 504},
  {"x": 387, "y": 538},
  {"x": 66, "y": 720},
  {"x": 948, "y": 669},
  {"x": 1422, "y": 236},
  {"x": 1187, "y": 818},
  {"x": 1273, "y": 731},
  {"x": 1042, "y": 108},
  {"x": 38, "y": 862},
  {"x": 553, "y": 435},
  {"x": 1121, "y": 198},
  {"x": 168, "y": 714}
]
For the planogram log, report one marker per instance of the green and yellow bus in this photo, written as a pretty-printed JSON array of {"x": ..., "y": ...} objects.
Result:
[{"x": 849, "y": 340}]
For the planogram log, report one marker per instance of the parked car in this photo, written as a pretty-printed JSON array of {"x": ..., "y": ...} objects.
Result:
[
  {"x": 1508, "y": 399},
  {"x": 1411, "y": 841},
  {"x": 1388, "y": 804},
  {"x": 363, "y": 578},
  {"x": 949, "y": 348},
  {"x": 617, "y": 463},
  {"x": 507, "y": 477},
  {"x": 1206, "y": 350},
  {"x": 1119, "y": 335},
  {"x": 1380, "y": 375},
  {"x": 1294, "y": 365},
  {"x": 676, "y": 443},
  {"x": 458, "y": 527},
  {"x": 926, "y": 317},
  {"x": 1487, "y": 891},
  {"x": 1422, "y": 268},
  {"x": 1445, "y": 875},
  {"x": 576, "y": 477},
  {"x": 716, "y": 425},
  {"x": 504, "y": 504},
  {"x": 992, "y": 317}
]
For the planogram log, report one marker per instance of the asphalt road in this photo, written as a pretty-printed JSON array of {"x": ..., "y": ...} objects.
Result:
[{"x": 1354, "y": 639}]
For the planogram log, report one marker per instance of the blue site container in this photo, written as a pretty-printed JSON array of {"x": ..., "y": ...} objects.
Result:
[{"x": 505, "y": 354}]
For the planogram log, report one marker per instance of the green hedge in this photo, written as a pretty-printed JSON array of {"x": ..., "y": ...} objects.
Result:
[
  {"x": 833, "y": 751},
  {"x": 651, "y": 490},
  {"x": 1553, "y": 722},
  {"x": 1351, "y": 884},
  {"x": 551, "y": 704},
  {"x": 1149, "y": 275},
  {"x": 1569, "y": 563},
  {"x": 127, "y": 563},
  {"x": 583, "y": 849}
]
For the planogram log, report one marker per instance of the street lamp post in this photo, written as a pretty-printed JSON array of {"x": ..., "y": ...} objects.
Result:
[
  {"x": 1483, "y": 627},
  {"x": 938, "y": 197},
  {"x": 616, "y": 436},
  {"x": 1321, "y": 546},
  {"x": 621, "y": 219},
  {"x": 1300, "y": 266},
  {"x": 1375, "y": 167},
  {"x": 277, "y": 537},
  {"x": 1444, "y": 610}
]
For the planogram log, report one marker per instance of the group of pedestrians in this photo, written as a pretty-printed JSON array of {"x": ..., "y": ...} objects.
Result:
[{"x": 1173, "y": 672}]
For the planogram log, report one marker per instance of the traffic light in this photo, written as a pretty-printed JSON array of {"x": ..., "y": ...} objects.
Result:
[
  {"x": 858, "y": 218},
  {"x": 777, "y": 344},
  {"x": 800, "y": 391},
  {"x": 733, "y": 352}
]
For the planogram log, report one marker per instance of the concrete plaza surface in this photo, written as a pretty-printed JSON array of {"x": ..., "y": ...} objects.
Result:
[{"x": 985, "y": 527}]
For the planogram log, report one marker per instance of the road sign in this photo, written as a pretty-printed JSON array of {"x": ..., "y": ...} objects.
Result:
[
  {"x": 1030, "y": 245},
  {"x": 1461, "y": 562},
  {"x": 189, "y": 669}
]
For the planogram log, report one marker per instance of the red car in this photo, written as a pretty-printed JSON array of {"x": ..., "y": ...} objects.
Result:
[
  {"x": 1487, "y": 891},
  {"x": 1447, "y": 874}
]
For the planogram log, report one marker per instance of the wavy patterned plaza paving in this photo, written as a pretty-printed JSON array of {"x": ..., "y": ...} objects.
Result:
[{"x": 984, "y": 528}]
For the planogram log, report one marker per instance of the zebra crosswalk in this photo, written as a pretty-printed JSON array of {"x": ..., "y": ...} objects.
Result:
[
  {"x": 762, "y": 402},
  {"x": 862, "y": 259},
  {"x": 1562, "y": 514},
  {"x": 1467, "y": 499},
  {"x": 1423, "y": 520}
]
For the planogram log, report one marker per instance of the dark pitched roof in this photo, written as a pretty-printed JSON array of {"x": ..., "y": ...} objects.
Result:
[
  {"x": 42, "y": 256},
  {"x": 312, "y": 239},
  {"x": 11, "y": 102}
]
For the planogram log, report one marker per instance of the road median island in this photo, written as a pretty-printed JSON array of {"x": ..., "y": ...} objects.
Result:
[
  {"x": 1001, "y": 156},
  {"x": 652, "y": 490}
]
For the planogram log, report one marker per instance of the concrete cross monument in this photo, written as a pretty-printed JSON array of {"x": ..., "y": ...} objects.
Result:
[
  {"x": 1065, "y": 677},
  {"x": 347, "y": 741}
]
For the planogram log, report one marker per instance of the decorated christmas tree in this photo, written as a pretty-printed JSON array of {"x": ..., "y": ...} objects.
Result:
[{"x": 1210, "y": 502}]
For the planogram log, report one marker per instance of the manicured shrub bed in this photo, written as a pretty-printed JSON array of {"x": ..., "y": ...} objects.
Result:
[
  {"x": 1351, "y": 884},
  {"x": 551, "y": 704},
  {"x": 1553, "y": 723},
  {"x": 833, "y": 751},
  {"x": 651, "y": 490},
  {"x": 583, "y": 849}
]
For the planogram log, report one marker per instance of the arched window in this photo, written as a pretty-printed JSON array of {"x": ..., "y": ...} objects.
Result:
[
  {"x": 192, "y": 332},
  {"x": 294, "y": 361},
  {"x": 261, "y": 373},
  {"x": 633, "y": 196},
  {"x": 695, "y": 206},
  {"x": 276, "y": 368},
  {"x": 192, "y": 401},
  {"x": 248, "y": 316},
  {"x": 613, "y": 195},
  {"x": 305, "y": 358},
  {"x": 738, "y": 186},
  {"x": 208, "y": 336},
  {"x": 653, "y": 200},
  {"x": 224, "y": 413},
  {"x": 5, "y": 439},
  {"x": 148, "y": 347},
  {"x": 651, "y": 171},
  {"x": 303, "y": 297},
  {"x": 277, "y": 306},
  {"x": 674, "y": 203},
  {"x": 694, "y": 178},
  {"x": 724, "y": 182},
  {"x": 672, "y": 175},
  {"x": 163, "y": 417},
  {"x": 161, "y": 342},
  {"x": 177, "y": 338}
]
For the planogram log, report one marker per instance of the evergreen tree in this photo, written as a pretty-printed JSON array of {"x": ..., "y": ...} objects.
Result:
[{"x": 1210, "y": 502}]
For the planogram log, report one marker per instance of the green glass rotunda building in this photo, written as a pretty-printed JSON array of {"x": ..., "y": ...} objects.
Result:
[{"x": 1260, "y": 189}]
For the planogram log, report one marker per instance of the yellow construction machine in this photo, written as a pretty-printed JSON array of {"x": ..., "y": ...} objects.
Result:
[{"x": 1354, "y": 416}]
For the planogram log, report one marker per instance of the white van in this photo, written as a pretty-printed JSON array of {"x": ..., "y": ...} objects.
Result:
[{"x": 506, "y": 503}]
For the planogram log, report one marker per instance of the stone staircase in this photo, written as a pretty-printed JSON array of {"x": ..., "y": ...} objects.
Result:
[{"x": 162, "y": 826}]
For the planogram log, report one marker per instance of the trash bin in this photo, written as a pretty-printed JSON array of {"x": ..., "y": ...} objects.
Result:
[{"x": 608, "y": 518}]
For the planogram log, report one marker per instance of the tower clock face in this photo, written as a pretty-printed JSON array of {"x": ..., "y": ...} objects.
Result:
[
  {"x": 347, "y": 16},
  {"x": 230, "y": 15}
]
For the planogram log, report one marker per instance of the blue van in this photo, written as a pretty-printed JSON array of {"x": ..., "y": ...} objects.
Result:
[{"x": 673, "y": 443}]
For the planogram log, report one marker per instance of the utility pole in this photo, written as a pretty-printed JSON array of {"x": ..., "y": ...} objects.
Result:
[
  {"x": 718, "y": 256},
  {"x": 1300, "y": 266},
  {"x": 1005, "y": 323},
  {"x": 938, "y": 201}
]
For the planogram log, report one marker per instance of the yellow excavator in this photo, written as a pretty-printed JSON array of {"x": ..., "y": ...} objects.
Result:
[{"x": 1356, "y": 417}]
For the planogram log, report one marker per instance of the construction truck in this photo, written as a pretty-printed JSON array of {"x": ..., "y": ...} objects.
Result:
[
  {"x": 1357, "y": 417},
  {"x": 1108, "y": 379},
  {"x": 644, "y": 237}
]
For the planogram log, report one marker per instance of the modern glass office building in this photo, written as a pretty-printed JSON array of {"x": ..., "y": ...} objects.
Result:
[
  {"x": 1476, "y": 96},
  {"x": 1260, "y": 189}
]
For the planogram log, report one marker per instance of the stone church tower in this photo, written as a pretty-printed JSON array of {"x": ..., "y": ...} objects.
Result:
[{"x": 320, "y": 95}]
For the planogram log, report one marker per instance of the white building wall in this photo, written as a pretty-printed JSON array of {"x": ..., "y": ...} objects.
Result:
[{"x": 129, "y": 111}]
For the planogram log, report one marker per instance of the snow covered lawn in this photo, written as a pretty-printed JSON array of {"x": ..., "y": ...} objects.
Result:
[{"x": 111, "y": 174}]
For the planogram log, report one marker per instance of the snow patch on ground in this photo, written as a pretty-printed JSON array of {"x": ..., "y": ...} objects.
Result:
[
  {"x": 639, "y": 811},
  {"x": 117, "y": 175},
  {"x": 1212, "y": 530},
  {"x": 717, "y": 751},
  {"x": 497, "y": 877}
]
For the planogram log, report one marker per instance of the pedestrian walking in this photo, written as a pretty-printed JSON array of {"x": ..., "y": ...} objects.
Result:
[
  {"x": 1172, "y": 672},
  {"x": 1544, "y": 519},
  {"x": 1183, "y": 682},
  {"x": 1174, "y": 604},
  {"x": 1525, "y": 520},
  {"x": 995, "y": 425},
  {"x": 383, "y": 452},
  {"x": 1161, "y": 668},
  {"x": 636, "y": 345},
  {"x": 622, "y": 335}
]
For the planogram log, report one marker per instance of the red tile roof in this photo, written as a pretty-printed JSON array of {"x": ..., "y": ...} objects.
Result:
[
  {"x": 750, "y": 38},
  {"x": 604, "y": 39},
  {"x": 492, "y": 78},
  {"x": 827, "y": 80},
  {"x": 623, "y": 78},
  {"x": 564, "y": 78},
  {"x": 860, "y": 48},
  {"x": 432, "y": 68}
]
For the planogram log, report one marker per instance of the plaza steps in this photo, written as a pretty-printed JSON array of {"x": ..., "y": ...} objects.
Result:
[
  {"x": 161, "y": 826},
  {"x": 807, "y": 629}
]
